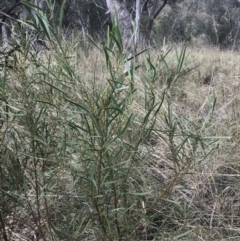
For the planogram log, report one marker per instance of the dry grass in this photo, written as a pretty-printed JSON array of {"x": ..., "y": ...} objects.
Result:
[{"x": 208, "y": 197}]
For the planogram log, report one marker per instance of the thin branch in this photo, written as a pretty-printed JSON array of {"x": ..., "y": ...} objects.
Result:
[
  {"x": 6, "y": 16},
  {"x": 160, "y": 9},
  {"x": 152, "y": 15},
  {"x": 144, "y": 6}
]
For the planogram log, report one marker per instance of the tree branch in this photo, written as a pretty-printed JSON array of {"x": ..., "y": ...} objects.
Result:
[
  {"x": 144, "y": 6},
  {"x": 160, "y": 9}
]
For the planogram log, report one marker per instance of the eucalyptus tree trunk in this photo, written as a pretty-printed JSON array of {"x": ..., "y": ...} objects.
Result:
[
  {"x": 4, "y": 36},
  {"x": 131, "y": 36},
  {"x": 137, "y": 25},
  {"x": 118, "y": 8}
]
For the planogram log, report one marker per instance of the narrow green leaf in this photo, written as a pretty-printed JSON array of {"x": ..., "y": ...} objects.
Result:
[{"x": 182, "y": 235}]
